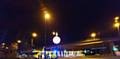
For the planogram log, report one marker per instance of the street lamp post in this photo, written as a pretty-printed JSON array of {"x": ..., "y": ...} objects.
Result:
[
  {"x": 116, "y": 24},
  {"x": 93, "y": 35},
  {"x": 34, "y": 35},
  {"x": 18, "y": 44},
  {"x": 47, "y": 18}
]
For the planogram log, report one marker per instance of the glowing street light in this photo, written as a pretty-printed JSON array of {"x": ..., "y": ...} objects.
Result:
[
  {"x": 93, "y": 35},
  {"x": 34, "y": 34},
  {"x": 53, "y": 33},
  {"x": 18, "y": 41},
  {"x": 46, "y": 15},
  {"x": 116, "y": 18},
  {"x": 116, "y": 23}
]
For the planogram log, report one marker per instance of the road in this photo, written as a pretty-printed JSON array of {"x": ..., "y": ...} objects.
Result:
[{"x": 107, "y": 57}]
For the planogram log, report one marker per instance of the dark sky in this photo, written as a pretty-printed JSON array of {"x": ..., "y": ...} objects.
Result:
[{"x": 73, "y": 19}]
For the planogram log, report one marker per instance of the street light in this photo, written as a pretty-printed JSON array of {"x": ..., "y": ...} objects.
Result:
[
  {"x": 34, "y": 35},
  {"x": 93, "y": 35},
  {"x": 116, "y": 23},
  {"x": 17, "y": 44},
  {"x": 116, "y": 18},
  {"x": 55, "y": 33},
  {"x": 47, "y": 17},
  {"x": 18, "y": 41}
]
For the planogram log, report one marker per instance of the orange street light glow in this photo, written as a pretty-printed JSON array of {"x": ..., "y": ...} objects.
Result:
[
  {"x": 116, "y": 18},
  {"x": 116, "y": 25},
  {"x": 89, "y": 43},
  {"x": 90, "y": 40},
  {"x": 34, "y": 34},
  {"x": 46, "y": 15},
  {"x": 93, "y": 35}
]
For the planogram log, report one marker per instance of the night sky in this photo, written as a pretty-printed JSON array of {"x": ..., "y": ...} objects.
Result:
[{"x": 73, "y": 19}]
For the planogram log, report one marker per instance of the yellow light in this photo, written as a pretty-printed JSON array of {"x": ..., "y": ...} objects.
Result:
[
  {"x": 90, "y": 40},
  {"x": 15, "y": 45},
  {"x": 116, "y": 25},
  {"x": 34, "y": 34},
  {"x": 116, "y": 18},
  {"x": 93, "y": 35},
  {"x": 18, "y": 41},
  {"x": 46, "y": 15},
  {"x": 89, "y": 43}
]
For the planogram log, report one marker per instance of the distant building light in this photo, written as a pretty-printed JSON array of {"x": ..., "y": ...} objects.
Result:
[
  {"x": 3, "y": 43},
  {"x": 6, "y": 47}
]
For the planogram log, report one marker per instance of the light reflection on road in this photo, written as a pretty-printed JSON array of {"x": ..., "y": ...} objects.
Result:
[{"x": 107, "y": 57}]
